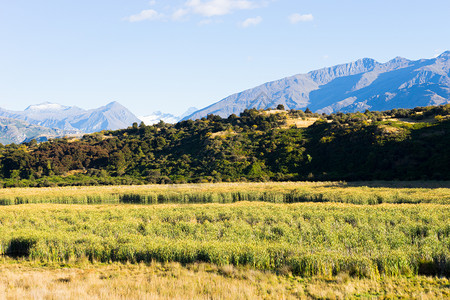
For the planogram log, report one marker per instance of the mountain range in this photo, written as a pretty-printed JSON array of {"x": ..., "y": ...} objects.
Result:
[
  {"x": 52, "y": 120},
  {"x": 72, "y": 118},
  {"x": 356, "y": 86},
  {"x": 46, "y": 120}
]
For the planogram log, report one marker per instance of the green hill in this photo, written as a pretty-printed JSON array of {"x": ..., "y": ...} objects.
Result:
[{"x": 401, "y": 144}]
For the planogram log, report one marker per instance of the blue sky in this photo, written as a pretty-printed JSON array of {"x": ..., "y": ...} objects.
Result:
[{"x": 170, "y": 55}]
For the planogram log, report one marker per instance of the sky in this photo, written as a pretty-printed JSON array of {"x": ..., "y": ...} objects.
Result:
[{"x": 169, "y": 55}]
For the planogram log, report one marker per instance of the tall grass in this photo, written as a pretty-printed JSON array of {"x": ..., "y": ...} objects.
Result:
[
  {"x": 229, "y": 193},
  {"x": 307, "y": 239}
]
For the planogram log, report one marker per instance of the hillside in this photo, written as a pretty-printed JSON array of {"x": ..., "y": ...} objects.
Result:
[
  {"x": 257, "y": 146},
  {"x": 356, "y": 86}
]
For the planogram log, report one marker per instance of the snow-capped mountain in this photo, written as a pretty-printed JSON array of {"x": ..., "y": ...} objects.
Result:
[
  {"x": 51, "y": 115},
  {"x": 357, "y": 86},
  {"x": 167, "y": 118},
  {"x": 158, "y": 116}
]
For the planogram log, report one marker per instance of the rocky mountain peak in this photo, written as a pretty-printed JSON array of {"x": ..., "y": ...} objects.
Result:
[
  {"x": 445, "y": 55},
  {"x": 355, "y": 86}
]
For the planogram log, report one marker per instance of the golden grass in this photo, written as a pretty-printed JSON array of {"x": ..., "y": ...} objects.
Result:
[
  {"x": 223, "y": 134},
  {"x": 307, "y": 239},
  {"x": 274, "y": 111},
  {"x": 25, "y": 280},
  {"x": 359, "y": 193},
  {"x": 80, "y": 279},
  {"x": 300, "y": 123}
]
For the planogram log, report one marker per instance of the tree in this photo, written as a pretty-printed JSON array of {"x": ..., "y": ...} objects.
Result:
[
  {"x": 280, "y": 107},
  {"x": 118, "y": 163}
]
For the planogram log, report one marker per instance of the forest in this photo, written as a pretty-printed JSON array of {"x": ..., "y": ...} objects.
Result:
[{"x": 258, "y": 145}]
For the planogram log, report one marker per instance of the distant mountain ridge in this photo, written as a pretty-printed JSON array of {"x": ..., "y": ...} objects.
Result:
[
  {"x": 51, "y": 115},
  {"x": 49, "y": 120},
  {"x": 19, "y": 131},
  {"x": 356, "y": 86}
]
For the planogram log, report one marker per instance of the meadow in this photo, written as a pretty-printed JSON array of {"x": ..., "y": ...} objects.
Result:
[
  {"x": 305, "y": 239},
  {"x": 275, "y": 192},
  {"x": 30, "y": 280},
  {"x": 310, "y": 240}
]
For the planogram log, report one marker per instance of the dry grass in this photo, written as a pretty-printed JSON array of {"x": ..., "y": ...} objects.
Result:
[
  {"x": 27, "y": 280},
  {"x": 293, "y": 121},
  {"x": 390, "y": 130},
  {"x": 169, "y": 281},
  {"x": 223, "y": 134},
  {"x": 300, "y": 123},
  {"x": 274, "y": 111},
  {"x": 115, "y": 190},
  {"x": 358, "y": 193}
]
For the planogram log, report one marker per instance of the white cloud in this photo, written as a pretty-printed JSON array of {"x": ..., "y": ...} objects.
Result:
[
  {"x": 218, "y": 7},
  {"x": 204, "y": 8},
  {"x": 180, "y": 13},
  {"x": 148, "y": 14},
  {"x": 296, "y": 18},
  {"x": 251, "y": 22}
]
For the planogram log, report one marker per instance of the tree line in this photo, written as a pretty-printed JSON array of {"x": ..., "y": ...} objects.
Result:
[{"x": 400, "y": 144}]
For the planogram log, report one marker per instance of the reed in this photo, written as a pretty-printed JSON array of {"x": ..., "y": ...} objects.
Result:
[
  {"x": 307, "y": 239},
  {"x": 289, "y": 192}
]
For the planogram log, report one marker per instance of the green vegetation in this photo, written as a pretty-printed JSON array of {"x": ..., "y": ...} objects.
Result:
[
  {"x": 373, "y": 239},
  {"x": 303, "y": 239},
  {"x": 257, "y": 146},
  {"x": 274, "y": 192}
]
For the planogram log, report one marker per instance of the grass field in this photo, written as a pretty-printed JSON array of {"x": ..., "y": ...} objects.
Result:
[
  {"x": 227, "y": 241},
  {"x": 306, "y": 239},
  {"x": 30, "y": 280},
  {"x": 289, "y": 192}
]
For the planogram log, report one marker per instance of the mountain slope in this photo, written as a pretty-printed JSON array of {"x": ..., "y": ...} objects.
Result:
[
  {"x": 110, "y": 117},
  {"x": 357, "y": 86},
  {"x": 18, "y": 131}
]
